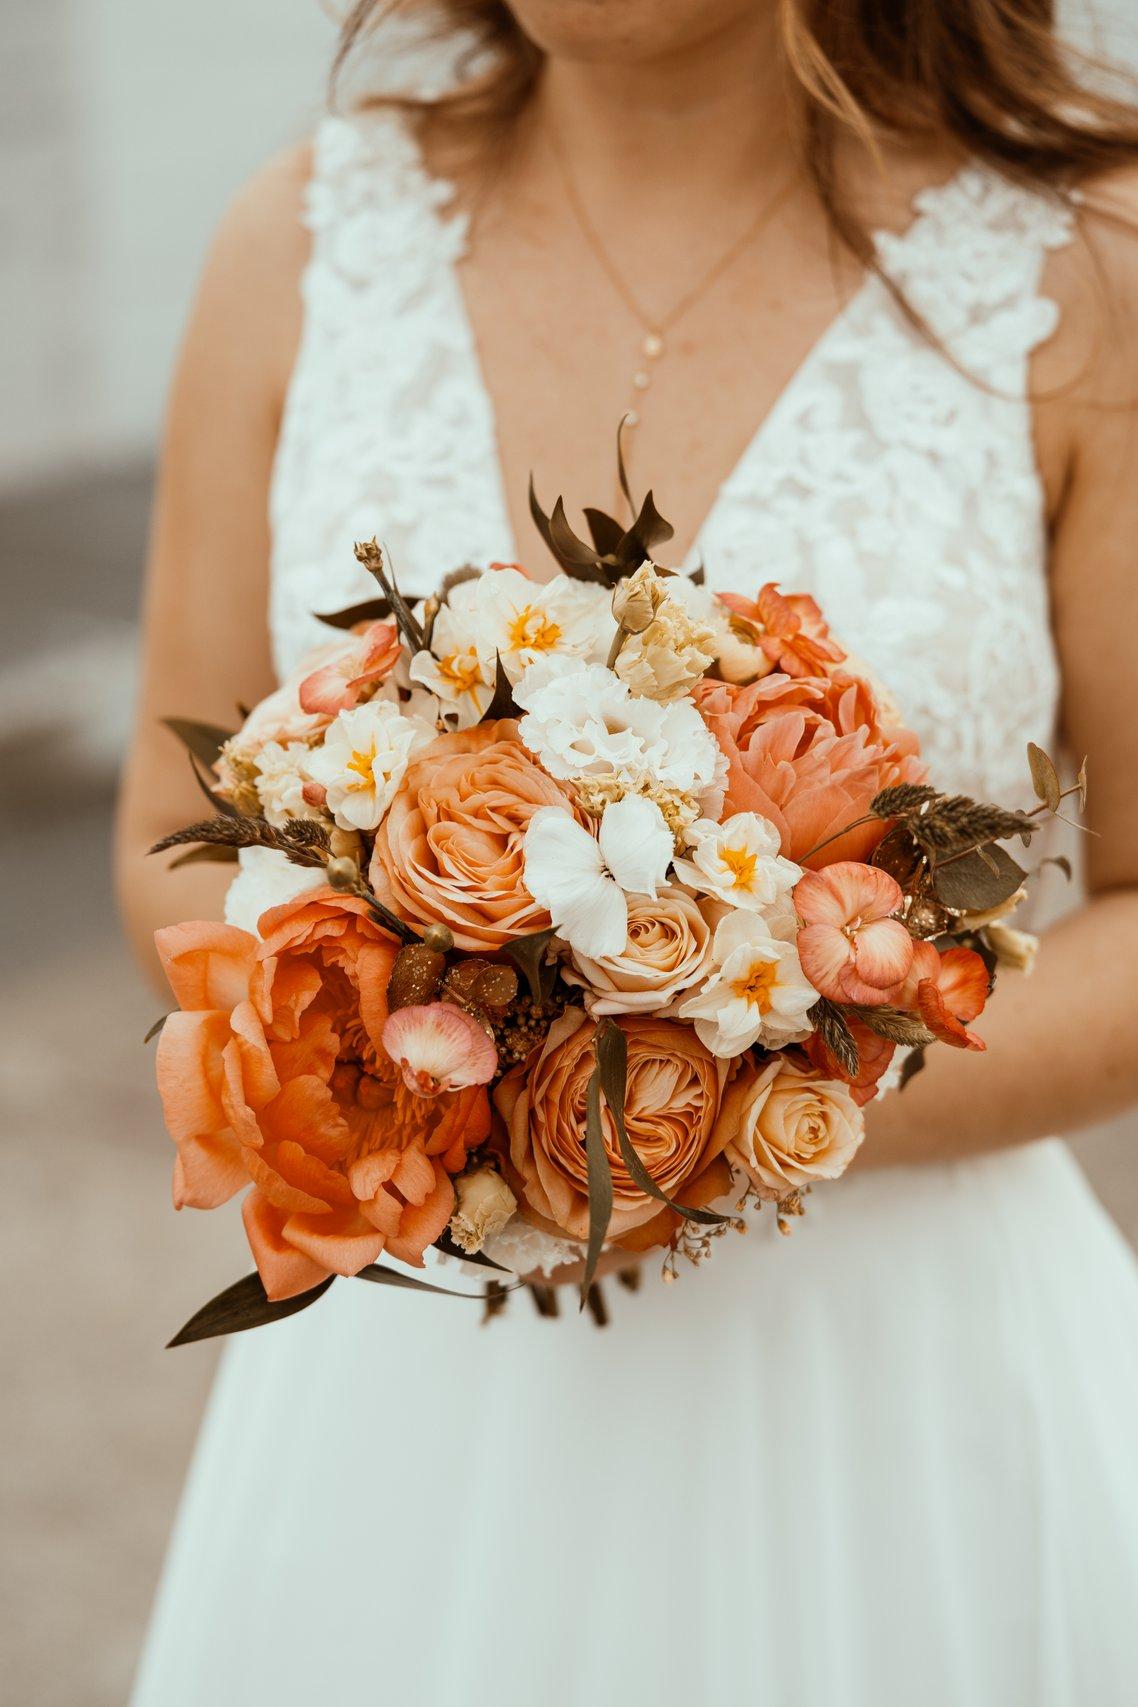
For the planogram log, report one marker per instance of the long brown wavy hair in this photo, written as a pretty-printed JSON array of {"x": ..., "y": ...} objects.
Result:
[{"x": 990, "y": 79}]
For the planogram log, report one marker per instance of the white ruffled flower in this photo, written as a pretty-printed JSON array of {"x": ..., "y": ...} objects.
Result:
[
  {"x": 582, "y": 879},
  {"x": 266, "y": 878},
  {"x": 738, "y": 861},
  {"x": 281, "y": 770},
  {"x": 757, "y": 994},
  {"x": 362, "y": 761},
  {"x": 581, "y": 721}
]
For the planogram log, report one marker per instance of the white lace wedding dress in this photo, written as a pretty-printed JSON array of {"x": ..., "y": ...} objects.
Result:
[{"x": 888, "y": 1461}]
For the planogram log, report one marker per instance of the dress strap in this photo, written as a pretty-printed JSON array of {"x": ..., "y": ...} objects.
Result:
[{"x": 972, "y": 264}]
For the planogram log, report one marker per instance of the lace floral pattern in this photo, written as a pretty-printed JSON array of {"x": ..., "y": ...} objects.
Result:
[{"x": 898, "y": 487}]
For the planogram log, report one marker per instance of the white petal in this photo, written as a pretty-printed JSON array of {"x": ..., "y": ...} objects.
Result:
[
  {"x": 594, "y": 922},
  {"x": 560, "y": 856},
  {"x": 637, "y": 844}
]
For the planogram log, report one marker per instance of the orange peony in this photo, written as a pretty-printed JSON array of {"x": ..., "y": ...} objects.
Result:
[
  {"x": 672, "y": 1100},
  {"x": 274, "y": 1073},
  {"x": 809, "y": 754},
  {"x": 451, "y": 851}
]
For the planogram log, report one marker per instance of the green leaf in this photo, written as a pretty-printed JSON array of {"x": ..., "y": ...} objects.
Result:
[
  {"x": 370, "y": 610},
  {"x": 1044, "y": 777},
  {"x": 528, "y": 955},
  {"x": 203, "y": 740},
  {"x": 156, "y": 1028},
  {"x": 503, "y": 703},
  {"x": 966, "y": 883},
  {"x": 612, "y": 1065},
  {"x": 244, "y": 1305},
  {"x": 208, "y": 853},
  {"x": 600, "y": 1181}
]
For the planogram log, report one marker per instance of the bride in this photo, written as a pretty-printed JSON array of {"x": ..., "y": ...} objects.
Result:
[{"x": 867, "y": 277}]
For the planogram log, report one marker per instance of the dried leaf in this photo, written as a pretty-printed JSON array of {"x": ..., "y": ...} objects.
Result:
[
  {"x": 1081, "y": 785},
  {"x": 370, "y": 557},
  {"x": 1062, "y": 862},
  {"x": 910, "y": 1067},
  {"x": 203, "y": 740},
  {"x": 606, "y": 532},
  {"x": 647, "y": 531},
  {"x": 597, "y": 1307},
  {"x": 1044, "y": 777},
  {"x": 600, "y": 1181},
  {"x": 241, "y": 1306},
  {"x": 156, "y": 1028},
  {"x": 612, "y": 1063},
  {"x": 968, "y": 885},
  {"x": 447, "y": 1246},
  {"x": 217, "y": 801},
  {"x": 370, "y": 610},
  {"x": 208, "y": 853},
  {"x": 503, "y": 703},
  {"x": 830, "y": 1023},
  {"x": 380, "y": 1276},
  {"x": 544, "y": 1298},
  {"x": 528, "y": 955}
]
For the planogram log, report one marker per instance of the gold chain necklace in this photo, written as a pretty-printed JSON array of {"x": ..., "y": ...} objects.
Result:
[{"x": 655, "y": 329}]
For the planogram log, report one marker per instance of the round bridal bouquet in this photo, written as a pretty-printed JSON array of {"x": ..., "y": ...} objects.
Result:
[{"x": 573, "y": 915}]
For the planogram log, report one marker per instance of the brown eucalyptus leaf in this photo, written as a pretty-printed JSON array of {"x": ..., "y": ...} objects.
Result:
[
  {"x": 207, "y": 853},
  {"x": 910, "y": 1067},
  {"x": 203, "y": 740},
  {"x": 968, "y": 884},
  {"x": 1044, "y": 777},
  {"x": 156, "y": 1028},
  {"x": 605, "y": 530},
  {"x": 503, "y": 703},
  {"x": 528, "y": 955},
  {"x": 612, "y": 1063},
  {"x": 369, "y": 610},
  {"x": 599, "y": 1179},
  {"x": 241, "y": 1306}
]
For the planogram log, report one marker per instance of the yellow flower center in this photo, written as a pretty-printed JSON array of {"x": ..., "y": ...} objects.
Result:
[
  {"x": 461, "y": 671},
  {"x": 741, "y": 863},
  {"x": 532, "y": 630},
  {"x": 757, "y": 986},
  {"x": 360, "y": 764}
]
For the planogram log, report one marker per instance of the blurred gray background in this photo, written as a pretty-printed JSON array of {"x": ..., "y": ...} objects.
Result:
[{"x": 125, "y": 126}]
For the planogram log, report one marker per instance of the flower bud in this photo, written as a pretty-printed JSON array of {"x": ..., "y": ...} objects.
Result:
[
  {"x": 343, "y": 874},
  {"x": 484, "y": 1206},
  {"x": 634, "y": 600},
  {"x": 1013, "y": 948}
]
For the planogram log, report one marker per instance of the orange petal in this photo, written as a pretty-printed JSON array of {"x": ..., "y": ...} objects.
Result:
[
  {"x": 284, "y": 1270},
  {"x": 963, "y": 982},
  {"x": 208, "y": 965}
]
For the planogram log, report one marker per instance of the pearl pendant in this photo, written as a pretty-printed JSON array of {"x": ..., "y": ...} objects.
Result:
[
  {"x": 653, "y": 346},
  {"x": 642, "y": 380}
]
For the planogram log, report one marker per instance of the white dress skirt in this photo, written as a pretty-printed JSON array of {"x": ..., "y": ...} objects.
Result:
[{"x": 891, "y": 1461}]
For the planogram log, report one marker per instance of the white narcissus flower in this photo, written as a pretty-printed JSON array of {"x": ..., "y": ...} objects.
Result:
[
  {"x": 757, "y": 994},
  {"x": 522, "y": 621},
  {"x": 362, "y": 760},
  {"x": 581, "y": 721},
  {"x": 581, "y": 880},
  {"x": 738, "y": 861}
]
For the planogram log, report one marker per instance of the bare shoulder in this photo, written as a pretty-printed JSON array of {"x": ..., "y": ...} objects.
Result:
[
  {"x": 248, "y": 307},
  {"x": 1094, "y": 282}
]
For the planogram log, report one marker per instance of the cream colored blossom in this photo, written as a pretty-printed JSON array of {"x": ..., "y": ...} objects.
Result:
[
  {"x": 668, "y": 949},
  {"x": 1012, "y": 948},
  {"x": 484, "y": 1207},
  {"x": 786, "y": 1128},
  {"x": 674, "y": 650}
]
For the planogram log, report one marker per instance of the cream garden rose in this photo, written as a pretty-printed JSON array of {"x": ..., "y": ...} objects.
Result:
[
  {"x": 667, "y": 951},
  {"x": 484, "y": 1207},
  {"x": 786, "y": 1128}
]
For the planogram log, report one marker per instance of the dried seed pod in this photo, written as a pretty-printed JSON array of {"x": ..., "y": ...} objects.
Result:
[
  {"x": 415, "y": 977},
  {"x": 482, "y": 986},
  {"x": 343, "y": 874},
  {"x": 439, "y": 937},
  {"x": 898, "y": 854},
  {"x": 926, "y": 918}
]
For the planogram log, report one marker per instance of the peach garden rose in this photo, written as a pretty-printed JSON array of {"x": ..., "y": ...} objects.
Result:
[
  {"x": 451, "y": 850},
  {"x": 786, "y": 1128},
  {"x": 668, "y": 950},
  {"x": 672, "y": 1100}
]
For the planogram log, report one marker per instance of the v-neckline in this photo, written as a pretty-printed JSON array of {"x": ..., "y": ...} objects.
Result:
[{"x": 449, "y": 224}]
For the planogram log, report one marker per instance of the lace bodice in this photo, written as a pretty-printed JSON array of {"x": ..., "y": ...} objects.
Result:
[{"x": 898, "y": 488}]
